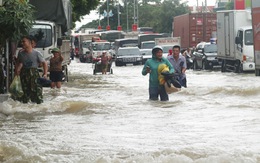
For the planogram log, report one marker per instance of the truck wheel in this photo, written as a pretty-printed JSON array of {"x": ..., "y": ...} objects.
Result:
[
  {"x": 237, "y": 67},
  {"x": 223, "y": 66},
  {"x": 205, "y": 65},
  {"x": 257, "y": 72}
]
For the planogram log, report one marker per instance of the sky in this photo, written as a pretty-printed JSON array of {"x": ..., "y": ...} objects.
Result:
[{"x": 93, "y": 14}]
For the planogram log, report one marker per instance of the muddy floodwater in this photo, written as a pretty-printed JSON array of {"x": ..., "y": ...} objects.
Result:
[{"x": 109, "y": 119}]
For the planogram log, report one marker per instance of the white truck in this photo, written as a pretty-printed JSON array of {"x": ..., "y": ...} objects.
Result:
[
  {"x": 167, "y": 43},
  {"x": 53, "y": 22},
  {"x": 80, "y": 42},
  {"x": 256, "y": 31},
  {"x": 235, "y": 41}
]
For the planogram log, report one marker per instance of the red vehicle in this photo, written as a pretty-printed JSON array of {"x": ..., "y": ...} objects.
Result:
[{"x": 194, "y": 28}]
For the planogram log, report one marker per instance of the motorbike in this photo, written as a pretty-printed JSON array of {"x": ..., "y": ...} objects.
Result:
[{"x": 189, "y": 61}]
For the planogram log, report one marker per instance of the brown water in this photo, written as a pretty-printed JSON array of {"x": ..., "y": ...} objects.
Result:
[{"x": 109, "y": 119}]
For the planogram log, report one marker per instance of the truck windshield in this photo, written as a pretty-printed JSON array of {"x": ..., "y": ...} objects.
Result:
[
  {"x": 43, "y": 34},
  {"x": 249, "y": 37},
  {"x": 86, "y": 44}
]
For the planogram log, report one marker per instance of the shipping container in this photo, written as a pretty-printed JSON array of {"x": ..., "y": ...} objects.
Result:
[{"x": 194, "y": 28}]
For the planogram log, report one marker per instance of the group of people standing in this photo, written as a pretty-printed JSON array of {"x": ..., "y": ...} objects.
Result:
[
  {"x": 26, "y": 66},
  {"x": 176, "y": 63}
]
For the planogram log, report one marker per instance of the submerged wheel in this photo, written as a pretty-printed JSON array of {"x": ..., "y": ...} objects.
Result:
[
  {"x": 238, "y": 68},
  {"x": 223, "y": 66},
  {"x": 205, "y": 66}
]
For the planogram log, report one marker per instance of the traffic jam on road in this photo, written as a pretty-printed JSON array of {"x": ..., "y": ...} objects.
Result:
[{"x": 221, "y": 40}]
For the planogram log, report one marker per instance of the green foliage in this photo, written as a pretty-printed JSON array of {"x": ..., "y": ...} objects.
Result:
[
  {"x": 229, "y": 6},
  {"x": 16, "y": 20},
  {"x": 82, "y": 7},
  {"x": 158, "y": 15}
]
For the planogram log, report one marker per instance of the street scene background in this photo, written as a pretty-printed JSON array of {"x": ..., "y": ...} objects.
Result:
[{"x": 108, "y": 118}]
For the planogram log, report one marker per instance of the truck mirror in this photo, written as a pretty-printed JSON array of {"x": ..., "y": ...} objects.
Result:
[{"x": 59, "y": 41}]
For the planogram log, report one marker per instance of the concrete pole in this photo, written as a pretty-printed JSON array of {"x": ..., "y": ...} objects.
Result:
[
  {"x": 118, "y": 11},
  {"x": 134, "y": 11},
  {"x": 137, "y": 14},
  {"x": 107, "y": 13},
  {"x": 127, "y": 27},
  {"x": 7, "y": 66}
]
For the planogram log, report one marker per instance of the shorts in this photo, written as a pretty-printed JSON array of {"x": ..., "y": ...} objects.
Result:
[
  {"x": 104, "y": 66},
  {"x": 56, "y": 76}
]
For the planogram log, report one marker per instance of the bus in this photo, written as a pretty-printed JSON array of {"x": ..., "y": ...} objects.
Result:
[
  {"x": 145, "y": 30},
  {"x": 148, "y": 37},
  {"x": 111, "y": 36}
]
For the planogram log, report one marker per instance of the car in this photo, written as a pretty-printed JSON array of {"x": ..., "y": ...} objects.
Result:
[
  {"x": 147, "y": 54},
  {"x": 128, "y": 55},
  {"x": 205, "y": 56}
]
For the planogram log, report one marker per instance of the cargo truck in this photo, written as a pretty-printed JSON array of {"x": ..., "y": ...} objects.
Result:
[
  {"x": 235, "y": 41},
  {"x": 256, "y": 32},
  {"x": 194, "y": 28},
  {"x": 53, "y": 22}
]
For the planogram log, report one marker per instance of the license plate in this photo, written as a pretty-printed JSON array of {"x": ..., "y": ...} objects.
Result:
[{"x": 129, "y": 59}]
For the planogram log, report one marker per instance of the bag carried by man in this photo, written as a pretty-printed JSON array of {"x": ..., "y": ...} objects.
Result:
[{"x": 16, "y": 89}]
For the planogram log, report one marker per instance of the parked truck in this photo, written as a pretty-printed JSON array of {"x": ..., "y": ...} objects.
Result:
[
  {"x": 256, "y": 34},
  {"x": 194, "y": 28},
  {"x": 235, "y": 40},
  {"x": 53, "y": 22}
]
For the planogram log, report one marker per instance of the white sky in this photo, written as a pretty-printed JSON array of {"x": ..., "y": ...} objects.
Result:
[{"x": 93, "y": 14}]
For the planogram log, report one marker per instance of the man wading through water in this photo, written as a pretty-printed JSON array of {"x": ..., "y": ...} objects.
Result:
[
  {"x": 151, "y": 67},
  {"x": 27, "y": 67}
]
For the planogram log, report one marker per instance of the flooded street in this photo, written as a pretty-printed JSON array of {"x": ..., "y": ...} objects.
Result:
[{"x": 109, "y": 119}]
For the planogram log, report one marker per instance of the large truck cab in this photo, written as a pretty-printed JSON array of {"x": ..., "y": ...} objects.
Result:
[
  {"x": 235, "y": 41},
  {"x": 244, "y": 48},
  {"x": 48, "y": 35}
]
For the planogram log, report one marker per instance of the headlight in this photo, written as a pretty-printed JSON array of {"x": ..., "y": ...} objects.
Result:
[
  {"x": 119, "y": 59},
  {"x": 211, "y": 58}
]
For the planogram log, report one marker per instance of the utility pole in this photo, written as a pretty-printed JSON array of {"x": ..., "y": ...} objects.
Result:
[
  {"x": 134, "y": 11},
  {"x": 107, "y": 14},
  {"x": 137, "y": 14},
  {"x": 127, "y": 27}
]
